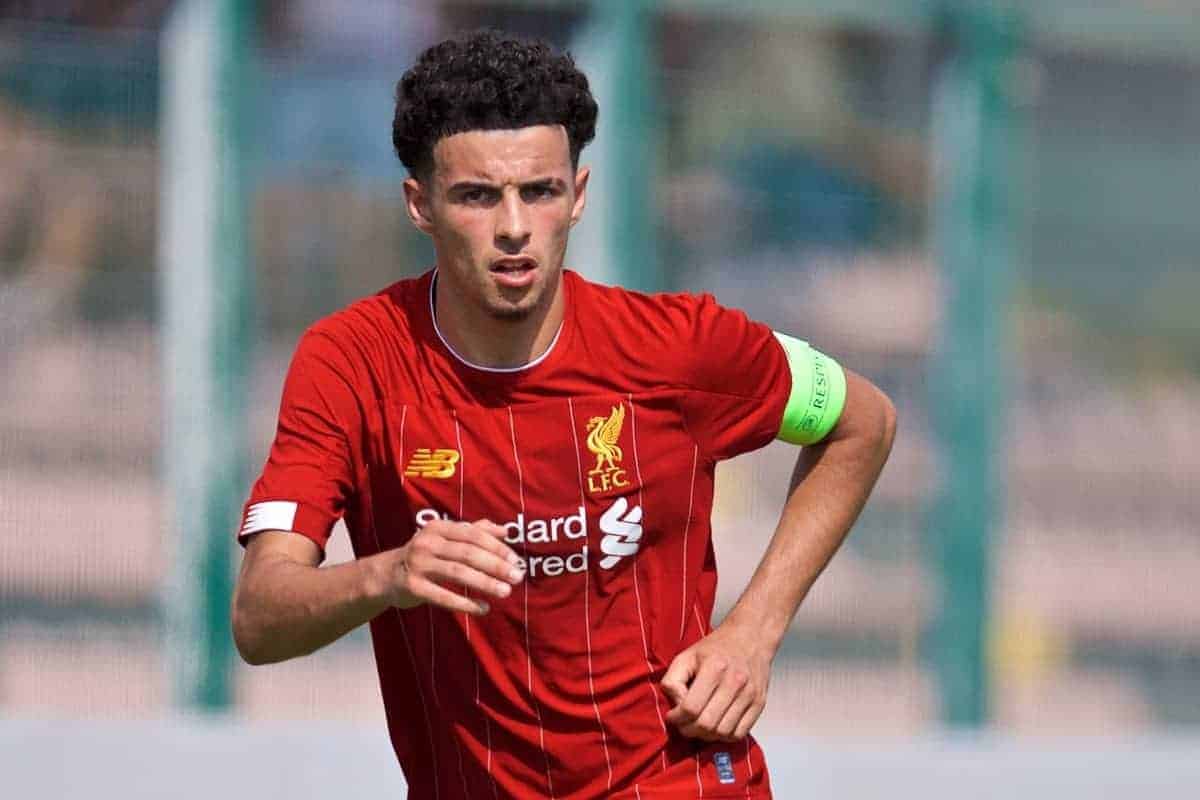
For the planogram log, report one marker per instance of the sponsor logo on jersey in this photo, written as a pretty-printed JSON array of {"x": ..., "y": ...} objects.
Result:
[
  {"x": 602, "y": 437},
  {"x": 620, "y": 526},
  {"x": 426, "y": 463},
  {"x": 523, "y": 530},
  {"x": 622, "y": 529}
]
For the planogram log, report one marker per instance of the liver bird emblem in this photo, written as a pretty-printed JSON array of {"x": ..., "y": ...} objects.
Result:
[{"x": 603, "y": 434}]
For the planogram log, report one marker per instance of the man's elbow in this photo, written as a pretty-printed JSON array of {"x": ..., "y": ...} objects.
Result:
[
  {"x": 248, "y": 637},
  {"x": 870, "y": 416},
  {"x": 882, "y": 430},
  {"x": 887, "y": 426},
  {"x": 245, "y": 642}
]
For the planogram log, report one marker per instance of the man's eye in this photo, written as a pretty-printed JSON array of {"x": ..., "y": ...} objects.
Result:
[{"x": 539, "y": 192}]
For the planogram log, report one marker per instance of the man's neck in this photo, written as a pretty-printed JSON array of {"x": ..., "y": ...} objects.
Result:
[{"x": 493, "y": 342}]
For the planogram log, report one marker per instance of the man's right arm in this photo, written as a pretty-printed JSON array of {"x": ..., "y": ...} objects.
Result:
[{"x": 284, "y": 605}]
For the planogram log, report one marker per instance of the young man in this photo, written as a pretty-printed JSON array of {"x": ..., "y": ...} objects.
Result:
[{"x": 525, "y": 464}]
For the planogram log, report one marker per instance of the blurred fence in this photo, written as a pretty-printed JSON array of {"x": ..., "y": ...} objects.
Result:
[{"x": 794, "y": 176}]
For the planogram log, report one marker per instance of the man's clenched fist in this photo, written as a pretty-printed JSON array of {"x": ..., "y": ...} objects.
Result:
[{"x": 718, "y": 686}]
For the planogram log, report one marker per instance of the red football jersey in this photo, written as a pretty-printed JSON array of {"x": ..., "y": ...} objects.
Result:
[{"x": 598, "y": 458}]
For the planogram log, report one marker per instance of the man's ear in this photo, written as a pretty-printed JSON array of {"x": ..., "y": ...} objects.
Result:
[
  {"x": 581, "y": 182},
  {"x": 416, "y": 202}
]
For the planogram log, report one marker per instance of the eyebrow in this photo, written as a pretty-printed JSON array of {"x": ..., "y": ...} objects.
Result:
[{"x": 462, "y": 186}]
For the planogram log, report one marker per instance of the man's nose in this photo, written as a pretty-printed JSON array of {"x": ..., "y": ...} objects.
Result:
[{"x": 512, "y": 223}]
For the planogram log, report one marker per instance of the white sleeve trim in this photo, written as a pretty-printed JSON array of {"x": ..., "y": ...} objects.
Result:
[{"x": 272, "y": 515}]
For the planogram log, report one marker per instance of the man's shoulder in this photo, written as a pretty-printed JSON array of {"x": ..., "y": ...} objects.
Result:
[
  {"x": 388, "y": 316},
  {"x": 655, "y": 337},
  {"x": 602, "y": 302}
]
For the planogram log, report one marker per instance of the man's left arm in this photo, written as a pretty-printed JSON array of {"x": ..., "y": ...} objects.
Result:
[{"x": 719, "y": 685}]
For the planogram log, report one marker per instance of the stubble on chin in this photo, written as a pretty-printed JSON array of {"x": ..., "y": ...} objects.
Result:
[
  {"x": 519, "y": 311},
  {"x": 511, "y": 313}
]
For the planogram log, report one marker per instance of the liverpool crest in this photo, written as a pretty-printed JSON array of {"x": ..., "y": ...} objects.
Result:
[{"x": 603, "y": 435}]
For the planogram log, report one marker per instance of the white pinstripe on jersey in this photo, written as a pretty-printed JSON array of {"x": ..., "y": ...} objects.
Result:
[
  {"x": 421, "y": 693},
  {"x": 637, "y": 465},
  {"x": 749, "y": 765},
  {"x": 587, "y": 589},
  {"x": 404, "y": 634},
  {"x": 703, "y": 632},
  {"x": 462, "y": 477},
  {"x": 400, "y": 466},
  {"x": 687, "y": 525},
  {"x": 437, "y": 703},
  {"x": 487, "y": 723},
  {"x": 512, "y": 427}
]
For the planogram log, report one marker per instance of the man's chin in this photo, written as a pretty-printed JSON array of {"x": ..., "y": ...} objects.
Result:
[
  {"x": 511, "y": 313},
  {"x": 519, "y": 306}
]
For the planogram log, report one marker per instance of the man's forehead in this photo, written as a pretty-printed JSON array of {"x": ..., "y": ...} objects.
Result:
[{"x": 501, "y": 156}]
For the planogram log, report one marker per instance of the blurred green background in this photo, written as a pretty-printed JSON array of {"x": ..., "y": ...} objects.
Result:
[{"x": 988, "y": 208}]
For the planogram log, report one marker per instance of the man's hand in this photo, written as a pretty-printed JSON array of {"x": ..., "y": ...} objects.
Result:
[
  {"x": 718, "y": 686},
  {"x": 470, "y": 555},
  {"x": 285, "y": 606}
]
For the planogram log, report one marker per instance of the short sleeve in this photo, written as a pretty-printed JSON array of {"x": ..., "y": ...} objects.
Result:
[
  {"x": 737, "y": 378},
  {"x": 309, "y": 474}
]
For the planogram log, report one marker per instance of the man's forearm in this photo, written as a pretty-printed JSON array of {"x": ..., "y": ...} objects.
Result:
[
  {"x": 830, "y": 485},
  {"x": 285, "y": 606},
  {"x": 285, "y": 609}
]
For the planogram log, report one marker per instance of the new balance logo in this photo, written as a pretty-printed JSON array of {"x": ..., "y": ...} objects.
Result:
[
  {"x": 622, "y": 529},
  {"x": 426, "y": 463}
]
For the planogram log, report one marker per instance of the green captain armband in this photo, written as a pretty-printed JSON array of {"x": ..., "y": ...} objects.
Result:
[{"x": 818, "y": 393}]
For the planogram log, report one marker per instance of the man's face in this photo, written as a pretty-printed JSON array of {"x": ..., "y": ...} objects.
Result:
[{"x": 499, "y": 206}]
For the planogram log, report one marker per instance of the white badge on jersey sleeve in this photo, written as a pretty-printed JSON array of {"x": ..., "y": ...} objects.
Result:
[{"x": 271, "y": 515}]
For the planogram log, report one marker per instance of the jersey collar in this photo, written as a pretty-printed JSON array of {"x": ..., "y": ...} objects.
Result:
[{"x": 466, "y": 362}]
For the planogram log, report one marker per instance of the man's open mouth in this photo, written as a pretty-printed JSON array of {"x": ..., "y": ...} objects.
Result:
[{"x": 514, "y": 265}]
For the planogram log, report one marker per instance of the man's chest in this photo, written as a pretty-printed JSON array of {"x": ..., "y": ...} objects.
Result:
[{"x": 560, "y": 473}]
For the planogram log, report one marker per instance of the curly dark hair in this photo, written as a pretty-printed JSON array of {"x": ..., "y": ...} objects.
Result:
[{"x": 488, "y": 80}]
